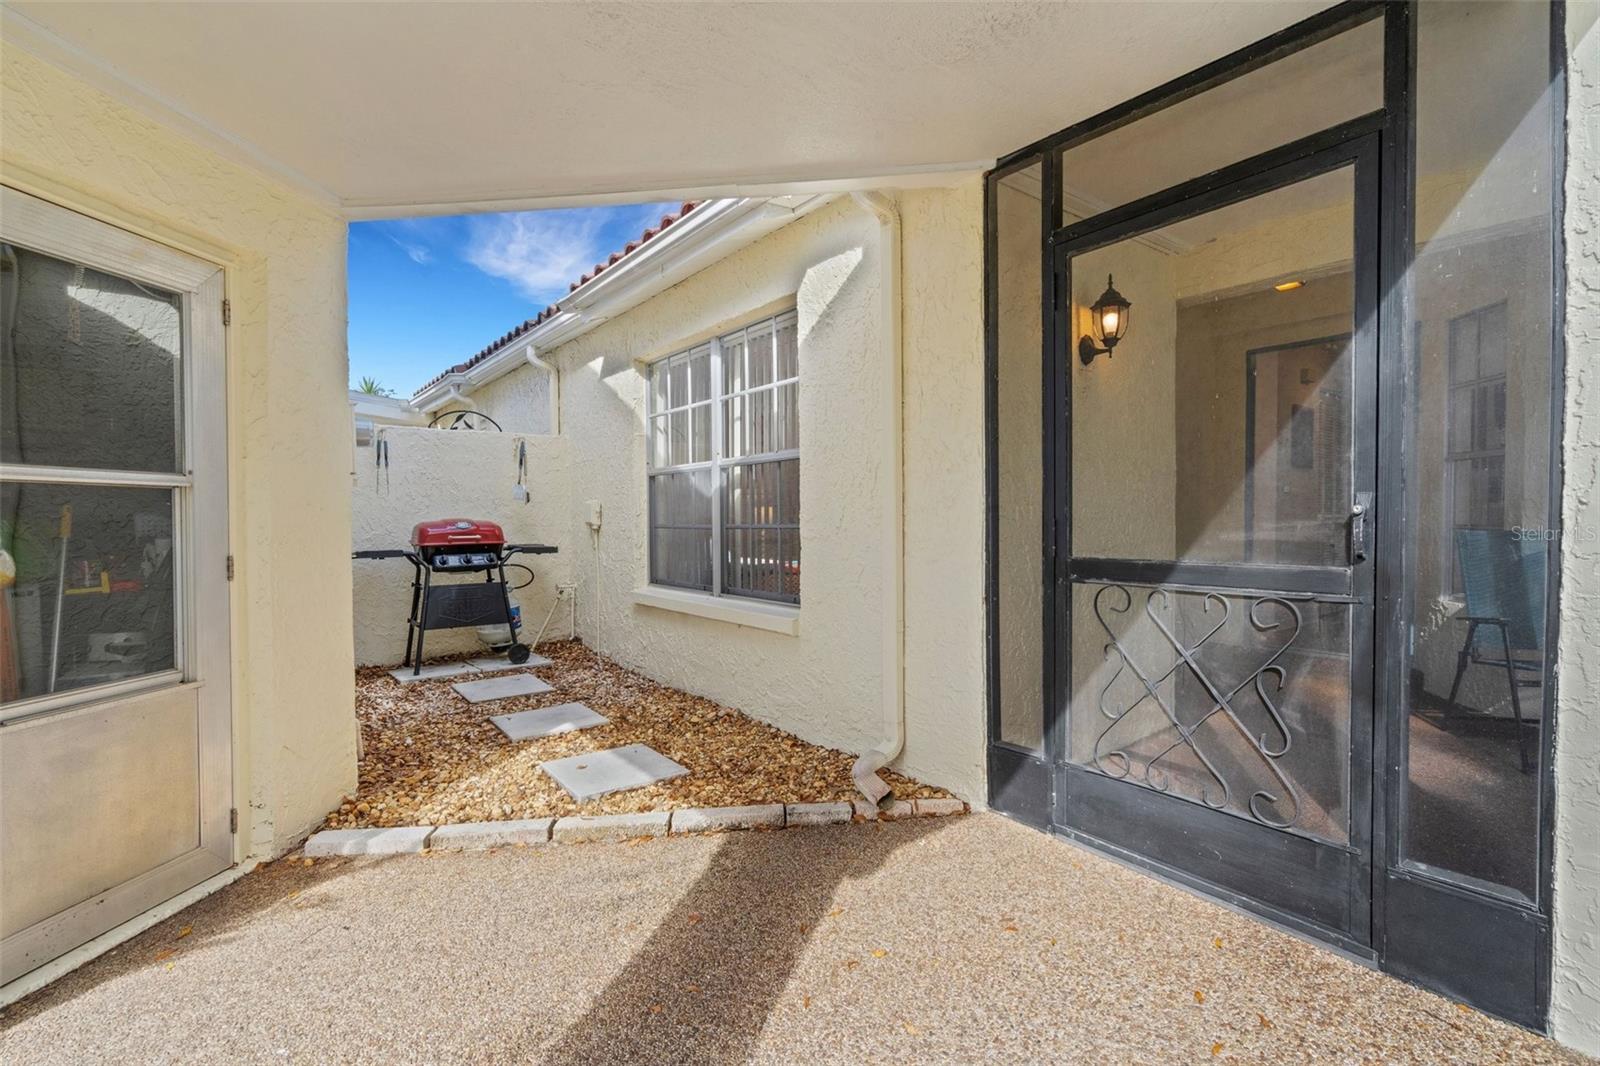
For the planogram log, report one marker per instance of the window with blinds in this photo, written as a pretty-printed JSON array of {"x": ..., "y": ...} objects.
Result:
[{"x": 724, "y": 464}]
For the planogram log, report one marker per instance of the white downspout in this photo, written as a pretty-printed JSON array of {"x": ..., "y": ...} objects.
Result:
[
  {"x": 555, "y": 387},
  {"x": 865, "y": 771}
]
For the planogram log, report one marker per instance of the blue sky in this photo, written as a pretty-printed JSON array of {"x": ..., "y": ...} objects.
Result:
[{"x": 428, "y": 292}]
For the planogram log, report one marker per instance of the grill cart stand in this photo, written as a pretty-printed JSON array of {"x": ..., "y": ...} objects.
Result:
[{"x": 469, "y": 548}]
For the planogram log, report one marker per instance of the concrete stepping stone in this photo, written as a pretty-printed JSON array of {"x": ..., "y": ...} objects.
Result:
[
  {"x": 501, "y": 688},
  {"x": 548, "y": 721},
  {"x": 599, "y": 773},
  {"x": 495, "y": 663},
  {"x": 432, "y": 672}
]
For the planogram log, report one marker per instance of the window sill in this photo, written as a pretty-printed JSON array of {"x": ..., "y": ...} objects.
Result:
[{"x": 773, "y": 617}]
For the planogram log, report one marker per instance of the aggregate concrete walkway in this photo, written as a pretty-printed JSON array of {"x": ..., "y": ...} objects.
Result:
[{"x": 933, "y": 940}]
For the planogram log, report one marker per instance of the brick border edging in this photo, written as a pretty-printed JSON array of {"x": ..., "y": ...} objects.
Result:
[{"x": 480, "y": 836}]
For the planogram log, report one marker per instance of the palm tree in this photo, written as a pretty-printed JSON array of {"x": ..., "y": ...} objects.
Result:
[{"x": 371, "y": 387}]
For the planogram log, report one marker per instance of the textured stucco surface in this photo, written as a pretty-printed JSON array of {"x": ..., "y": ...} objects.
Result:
[
  {"x": 944, "y": 486},
  {"x": 1575, "y": 986},
  {"x": 519, "y": 401},
  {"x": 289, "y": 427},
  {"x": 435, "y": 473},
  {"x": 824, "y": 683}
]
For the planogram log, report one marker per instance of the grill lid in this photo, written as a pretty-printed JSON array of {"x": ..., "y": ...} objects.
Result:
[{"x": 457, "y": 532}]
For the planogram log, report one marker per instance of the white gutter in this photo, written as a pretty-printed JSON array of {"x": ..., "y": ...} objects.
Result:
[
  {"x": 865, "y": 771},
  {"x": 708, "y": 233},
  {"x": 445, "y": 392},
  {"x": 555, "y": 388}
]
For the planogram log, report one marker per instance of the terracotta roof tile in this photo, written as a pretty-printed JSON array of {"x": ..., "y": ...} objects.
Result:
[{"x": 599, "y": 268}]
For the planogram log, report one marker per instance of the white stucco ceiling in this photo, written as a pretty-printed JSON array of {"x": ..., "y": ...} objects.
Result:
[{"x": 441, "y": 106}]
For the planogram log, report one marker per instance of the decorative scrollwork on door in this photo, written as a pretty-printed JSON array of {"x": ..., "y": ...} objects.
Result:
[{"x": 1251, "y": 759}]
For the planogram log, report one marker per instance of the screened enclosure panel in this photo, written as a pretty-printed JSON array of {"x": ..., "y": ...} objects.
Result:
[
  {"x": 1333, "y": 81},
  {"x": 1480, "y": 467},
  {"x": 1019, "y": 487},
  {"x": 1218, "y": 430}
]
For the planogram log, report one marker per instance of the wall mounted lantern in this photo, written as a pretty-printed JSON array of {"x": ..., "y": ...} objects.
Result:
[{"x": 1109, "y": 320}]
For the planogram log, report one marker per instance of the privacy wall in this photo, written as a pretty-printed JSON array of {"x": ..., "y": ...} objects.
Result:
[{"x": 436, "y": 473}]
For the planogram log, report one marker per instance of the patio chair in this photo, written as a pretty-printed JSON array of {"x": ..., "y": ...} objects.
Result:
[{"x": 1503, "y": 577}]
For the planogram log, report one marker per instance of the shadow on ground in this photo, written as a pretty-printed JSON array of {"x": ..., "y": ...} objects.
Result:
[{"x": 704, "y": 983}]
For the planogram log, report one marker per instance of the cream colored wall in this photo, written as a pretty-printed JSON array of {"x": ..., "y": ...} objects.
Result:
[
  {"x": 946, "y": 731},
  {"x": 435, "y": 473},
  {"x": 823, "y": 684},
  {"x": 1575, "y": 985},
  {"x": 519, "y": 401},
  {"x": 289, "y": 420}
]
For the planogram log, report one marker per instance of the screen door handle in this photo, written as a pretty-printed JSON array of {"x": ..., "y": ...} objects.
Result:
[{"x": 1360, "y": 522}]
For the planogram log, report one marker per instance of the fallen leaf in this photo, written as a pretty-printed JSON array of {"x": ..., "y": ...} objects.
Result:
[
  {"x": 295, "y": 893},
  {"x": 655, "y": 1008},
  {"x": 165, "y": 953},
  {"x": 1051, "y": 941},
  {"x": 910, "y": 1029},
  {"x": 851, "y": 964},
  {"x": 185, "y": 931},
  {"x": 1265, "y": 1024},
  {"x": 878, "y": 953},
  {"x": 1216, "y": 1049},
  {"x": 1199, "y": 996},
  {"x": 694, "y": 918},
  {"x": 1217, "y": 943},
  {"x": 835, "y": 912},
  {"x": 691, "y": 988},
  {"x": 1008, "y": 929},
  {"x": 170, "y": 965},
  {"x": 805, "y": 1002},
  {"x": 308, "y": 862}
]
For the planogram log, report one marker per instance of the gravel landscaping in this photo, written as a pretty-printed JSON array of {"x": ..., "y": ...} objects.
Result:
[{"x": 431, "y": 758}]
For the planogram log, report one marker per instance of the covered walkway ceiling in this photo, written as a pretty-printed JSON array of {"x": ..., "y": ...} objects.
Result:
[{"x": 402, "y": 108}]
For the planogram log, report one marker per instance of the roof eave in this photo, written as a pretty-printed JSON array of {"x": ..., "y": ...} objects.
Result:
[{"x": 711, "y": 232}]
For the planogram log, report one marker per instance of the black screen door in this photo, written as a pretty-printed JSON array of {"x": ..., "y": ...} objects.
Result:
[{"x": 1215, "y": 661}]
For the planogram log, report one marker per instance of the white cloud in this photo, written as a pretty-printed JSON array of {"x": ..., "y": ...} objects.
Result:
[
  {"x": 419, "y": 254},
  {"x": 540, "y": 252}
]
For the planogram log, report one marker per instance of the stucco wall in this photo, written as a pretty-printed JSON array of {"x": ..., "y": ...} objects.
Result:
[
  {"x": 288, "y": 425},
  {"x": 519, "y": 401},
  {"x": 1575, "y": 987},
  {"x": 824, "y": 683},
  {"x": 435, "y": 473}
]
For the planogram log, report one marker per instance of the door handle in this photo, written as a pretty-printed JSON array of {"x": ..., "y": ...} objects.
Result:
[{"x": 1360, "y": 522}]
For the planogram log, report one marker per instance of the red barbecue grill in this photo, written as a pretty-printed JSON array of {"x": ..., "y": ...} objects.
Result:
[{"x": 459, "y": 546}]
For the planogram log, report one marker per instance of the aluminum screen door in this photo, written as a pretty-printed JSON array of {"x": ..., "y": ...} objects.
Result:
[
  {"x": 1219, "y": 585},
  {"x": 115, "y": 734}
]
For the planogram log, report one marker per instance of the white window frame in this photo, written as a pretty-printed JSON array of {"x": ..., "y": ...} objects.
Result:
[{"x": 719, "y": 462}]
